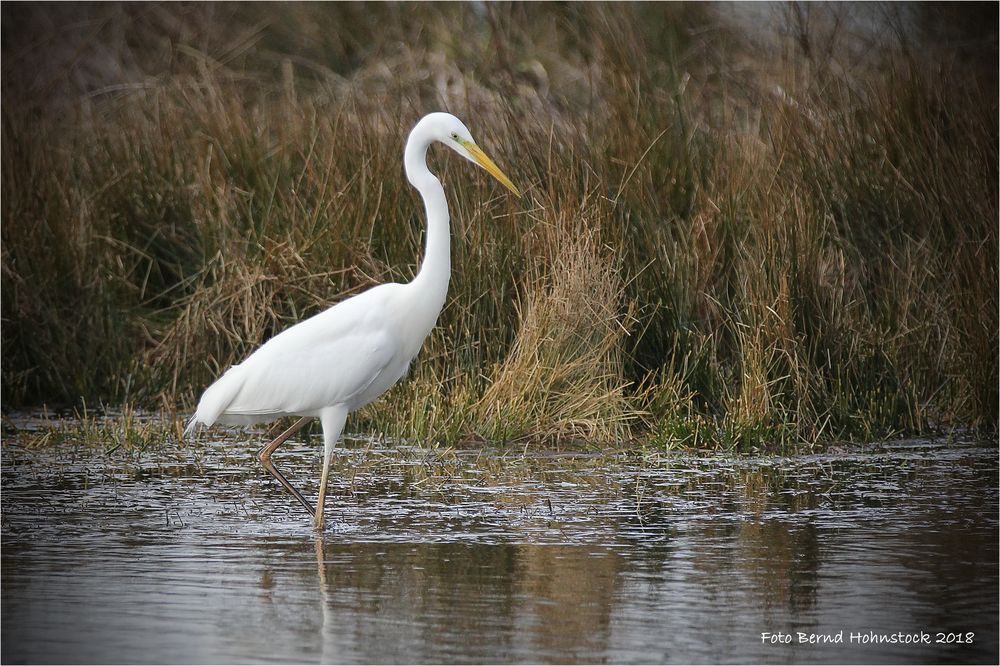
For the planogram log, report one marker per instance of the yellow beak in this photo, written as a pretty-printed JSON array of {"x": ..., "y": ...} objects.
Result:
[{"x": 482, "y": 160}]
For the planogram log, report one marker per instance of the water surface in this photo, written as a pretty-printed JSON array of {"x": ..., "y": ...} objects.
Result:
[{"x": 196, "y": 555}]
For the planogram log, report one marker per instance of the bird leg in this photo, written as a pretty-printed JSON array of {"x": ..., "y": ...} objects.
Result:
[
  {"x": 333, "y": 420},
  {"x": 265, "y": 459},
  {"x": 322, "y": 492}
]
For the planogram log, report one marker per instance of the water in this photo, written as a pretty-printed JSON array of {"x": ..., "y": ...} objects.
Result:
[{"x": 196, "y": 555}]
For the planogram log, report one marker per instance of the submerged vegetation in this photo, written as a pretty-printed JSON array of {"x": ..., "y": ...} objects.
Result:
[{"x": 728, "y": 238}]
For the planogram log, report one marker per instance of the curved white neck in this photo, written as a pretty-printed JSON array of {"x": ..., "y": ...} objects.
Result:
[{"x": 431, "y": 283}]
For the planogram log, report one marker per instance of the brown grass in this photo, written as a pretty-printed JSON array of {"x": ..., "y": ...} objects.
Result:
[{"x": 717, "y": 248}]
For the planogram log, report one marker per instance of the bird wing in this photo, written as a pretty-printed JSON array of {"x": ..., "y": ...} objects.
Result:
[
  {"x": 305, "y": 379},
  {"x": 325, "y": 360}
]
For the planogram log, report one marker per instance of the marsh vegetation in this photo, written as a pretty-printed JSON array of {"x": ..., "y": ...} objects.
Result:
[{"x": 726, "y": 241}]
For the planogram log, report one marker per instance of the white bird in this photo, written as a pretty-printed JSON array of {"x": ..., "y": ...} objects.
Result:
[{"x": 343, "y": 358}]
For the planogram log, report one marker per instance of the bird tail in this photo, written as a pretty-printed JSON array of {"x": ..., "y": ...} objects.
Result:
[
  {"x": 192, "y": 425},
  {"x": 216, "y": 399}
]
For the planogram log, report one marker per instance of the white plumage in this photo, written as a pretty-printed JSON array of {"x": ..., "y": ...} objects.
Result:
[
  {"x": 343, "y": 358},
  {"x": 347, "y": 350}
]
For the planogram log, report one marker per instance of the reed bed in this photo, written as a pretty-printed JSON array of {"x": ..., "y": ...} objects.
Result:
[{"x": 721, "y": 244}]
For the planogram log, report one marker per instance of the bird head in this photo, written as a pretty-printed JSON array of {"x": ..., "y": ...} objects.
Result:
[{"x": 453, "y": 133}]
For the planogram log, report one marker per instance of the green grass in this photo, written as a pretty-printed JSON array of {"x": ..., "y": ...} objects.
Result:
[{"x": 716, "y": 249}]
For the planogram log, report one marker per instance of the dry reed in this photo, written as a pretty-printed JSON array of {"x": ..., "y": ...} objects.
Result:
[{"x": 717, "y": 248}]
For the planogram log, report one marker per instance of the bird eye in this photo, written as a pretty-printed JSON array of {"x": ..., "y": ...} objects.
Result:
[{"x": 454, "y": 135}]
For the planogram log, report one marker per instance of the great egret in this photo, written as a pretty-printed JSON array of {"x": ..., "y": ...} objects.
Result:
[{"x": 343, "y": 358}]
